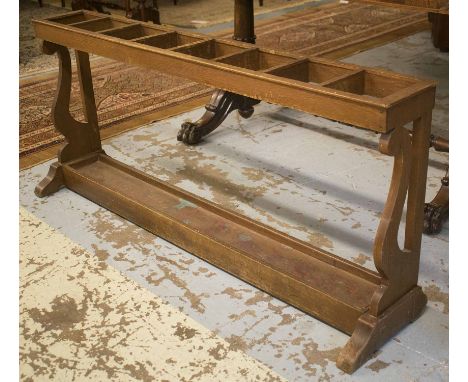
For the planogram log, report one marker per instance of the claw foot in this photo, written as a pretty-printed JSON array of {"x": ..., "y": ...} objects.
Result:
[
  {"x": 246, "y": 113},
  {"x": 189, "y": 133},
  {"x": 434, "y": 217}
]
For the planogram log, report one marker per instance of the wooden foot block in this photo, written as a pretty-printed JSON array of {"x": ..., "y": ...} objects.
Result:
[
  {"x": 52, "y": 182},
  {"x": 372, "y": 332}
]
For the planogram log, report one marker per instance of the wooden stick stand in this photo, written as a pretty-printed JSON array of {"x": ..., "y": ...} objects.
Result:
[{"x": 370, "y": 306}]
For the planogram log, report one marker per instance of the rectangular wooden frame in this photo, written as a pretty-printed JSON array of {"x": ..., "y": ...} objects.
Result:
[{"x": 371, "y": 306}]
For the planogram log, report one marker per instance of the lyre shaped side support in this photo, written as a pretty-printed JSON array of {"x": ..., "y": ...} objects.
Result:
[
  {"x": 399, "y": 300},
  {"x": 80, "y": 138},
  {"x": 394, "y": 264}
]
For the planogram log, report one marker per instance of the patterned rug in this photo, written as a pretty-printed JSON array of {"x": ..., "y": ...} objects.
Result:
[{"x": 124, "y": 92}]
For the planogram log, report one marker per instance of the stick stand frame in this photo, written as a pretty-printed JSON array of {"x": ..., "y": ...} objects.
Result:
[{"x": 370, "y": 306}]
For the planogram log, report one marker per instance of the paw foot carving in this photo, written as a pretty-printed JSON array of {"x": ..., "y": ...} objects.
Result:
[
  {"x": 189, "y": 133},
  {"x": 246, "y": 113},
  {"x": 434, "y": 217}
]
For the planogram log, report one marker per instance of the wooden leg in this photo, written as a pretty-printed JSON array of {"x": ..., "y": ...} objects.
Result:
[
  {"x": 440, "y": 30},
  {"x": 372, "y": 332},
  {"x": 77, "y": 4},
  {"x": 144, "y": 12},
  {"x": 399, "y": 300},
  {"x": 436, "y": 212},
  {"x": 89, "y": 5},
  {"x": 223, "y": 103},
  {"x": 244, "y": 28},
  {"x": 40, "y": 3},
  {"x": 81, "y": 139},
  {"x": 53, "y": 181}
]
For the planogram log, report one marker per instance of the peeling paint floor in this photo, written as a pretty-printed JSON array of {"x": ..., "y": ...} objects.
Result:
[{"x": 282, "y": 167}]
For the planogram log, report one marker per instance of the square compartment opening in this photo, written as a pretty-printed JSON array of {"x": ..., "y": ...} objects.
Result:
[
  {"x": 256, "y": 60},
  {"x": 210, "y": 49},
  {"x": 74, "y": 18},
  {"x": 133, "y": 31},
  {"x": 99, "y": 24},
  {"x": 309, "y": 71},
  {"x": 369, "y": 84},
  {"x": 169, "y": 40}
]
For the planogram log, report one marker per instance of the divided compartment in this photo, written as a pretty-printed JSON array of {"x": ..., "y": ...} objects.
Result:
[
  {"x": 210, "y": 49},
  {"x": 133, "y": 32},
  {"x": 73, "y": 18},
  {"x": 97, "y": 25},
  {"x": 256, "y": 59},
  {"x": 169, "y": 40},
  {"x": 310, "y": 71},
  {"x": 350, "y": 80},
  {"x": 370, "y": 84}
]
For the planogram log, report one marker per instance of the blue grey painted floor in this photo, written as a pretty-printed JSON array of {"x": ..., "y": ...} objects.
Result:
[{"x": 289, "y": 170}]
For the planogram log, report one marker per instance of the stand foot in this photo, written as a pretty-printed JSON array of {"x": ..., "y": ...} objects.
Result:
[
  {"x": 371, "y": 332},
  {"x": 53, "y": 182},
  {"x": 221, "y": 104}
]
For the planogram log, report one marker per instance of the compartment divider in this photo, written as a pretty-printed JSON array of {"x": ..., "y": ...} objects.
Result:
[
  {"x": 241, "y": 59},
  {"x": 194, "y": 44},
  {"x": 226, "y": 56},
  {"x": 299, "y": 63},
  {"x": 145, "y": 38},
  {"x": 65, "y": 15},
  {"x": 109, "y": 31},
  {"x": 80, "y": 24},
  {"x": 350, "y": 82},
  {"x": 159, "y": 40}
]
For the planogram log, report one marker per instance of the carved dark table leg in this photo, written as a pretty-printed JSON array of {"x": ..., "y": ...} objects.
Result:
[
  {"x": 440, "y": 30},
  {"x": 222, "y": 103},
  {"x": 437, "y": 211},
  {"x": 89, "y": 5},
  {"x": 144, "y": 12},
  {"x": 219, "y": 107},
  {"x": 244, "y": 29}
]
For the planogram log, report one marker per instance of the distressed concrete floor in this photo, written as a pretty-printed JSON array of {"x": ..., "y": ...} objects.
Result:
[{"x": 289, "y": 170}]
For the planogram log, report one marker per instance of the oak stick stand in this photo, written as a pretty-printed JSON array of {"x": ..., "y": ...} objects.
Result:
[{"x": 370, "y": 306}]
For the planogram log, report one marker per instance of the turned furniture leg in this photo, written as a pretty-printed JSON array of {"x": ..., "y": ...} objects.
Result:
[
  {"x": 144, "y": 12},
  {"x": 223, "y": 103},
  {"x": 440, "y": 30},
  {"x": 80, "y": 138},
  {"x": 399, "y": 300},
  {"x": 89, "y": 5}
]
